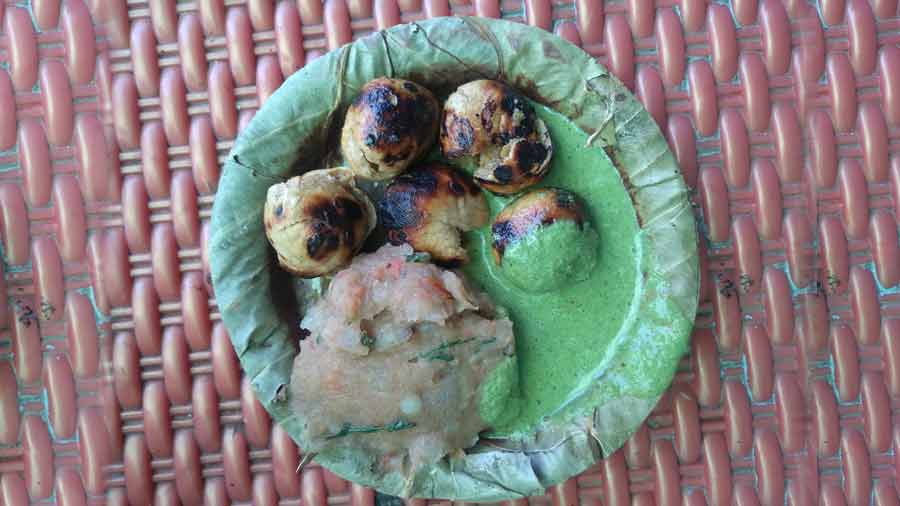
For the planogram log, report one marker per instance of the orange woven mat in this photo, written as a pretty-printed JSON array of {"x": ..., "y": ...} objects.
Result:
[{"x": 118, "y": 383}]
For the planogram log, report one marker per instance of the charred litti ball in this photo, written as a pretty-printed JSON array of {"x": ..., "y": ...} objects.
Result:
[
  {"x": 317, "y": 222},
  {"x": 429, "y": 207},
  {"x": 543, "y": 240},
  {"x": 497, "y": 125},
  {"x": 390, "y": 124}
]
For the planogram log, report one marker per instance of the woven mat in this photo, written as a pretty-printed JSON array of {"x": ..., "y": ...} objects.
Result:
[{"x": 118, "y": 383}]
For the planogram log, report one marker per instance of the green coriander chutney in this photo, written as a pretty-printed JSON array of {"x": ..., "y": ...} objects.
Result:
[{"x": 563, "y": 334}]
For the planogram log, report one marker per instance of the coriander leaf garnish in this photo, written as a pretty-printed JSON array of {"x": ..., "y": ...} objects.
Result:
[
  {"x": 419, "y": 257},
  {"x": 395, "y": 426},
  {"x": 441, "y": 352}
]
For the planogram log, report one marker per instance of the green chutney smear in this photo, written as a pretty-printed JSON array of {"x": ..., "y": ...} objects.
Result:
[
  {"x": 568, "y": 254},
  {"x": 563, "y": 334}
]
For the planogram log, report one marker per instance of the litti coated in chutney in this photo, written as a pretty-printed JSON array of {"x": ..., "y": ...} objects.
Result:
[
  {"x": 495, "y": 124},
  {"x": 317, "y": 221},
  {"x": 388, "y": 126},
  {"x": 543, "y": 241}
]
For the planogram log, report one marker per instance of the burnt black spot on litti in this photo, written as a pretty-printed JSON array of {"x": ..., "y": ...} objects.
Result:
[
  {"x": 487, "y": 114},
  {"x": 349, "y": 210},
  {"x": 515, "y": 104},
  {"x": 398, "y": 210},
  {"x": 460, "y": 130},
  {"x": 530, "y": 155},
  {"x": 456, "y": 188},
  {"x": 503, "y": 173},
  {"x": 502, "y": 234},
  {"x": 392, "y": 115},
  {"x": 566, "y": 200},
  {"x": 397, "y": 237},
  {"x": 321, "y": 244}
]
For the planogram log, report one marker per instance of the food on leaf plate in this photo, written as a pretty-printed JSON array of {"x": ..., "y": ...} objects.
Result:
[
  {"x": 400, "y": 355},
  {"x": 548, "y": 224},
  {"x": 478, "y": 271},
  {"x": 391, "y": 123},
  {"x": 317, "y": 222},
  {"x": 403, "y": 358},
  {"x": 495, "y": 124},
  {"x": 429, "y": 207}
]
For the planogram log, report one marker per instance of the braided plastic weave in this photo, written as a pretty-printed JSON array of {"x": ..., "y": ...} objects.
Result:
[{"x": 118, "y": 383}]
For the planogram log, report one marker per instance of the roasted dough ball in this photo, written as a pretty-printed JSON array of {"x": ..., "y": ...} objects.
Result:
[
  {"x": 429, "y": 207},
  {"x": 493, "y": 122},
  {"x": 390, "y": 124},
  {"x": 317, "y": 222},
  {"x": 543, "y": 241}
]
